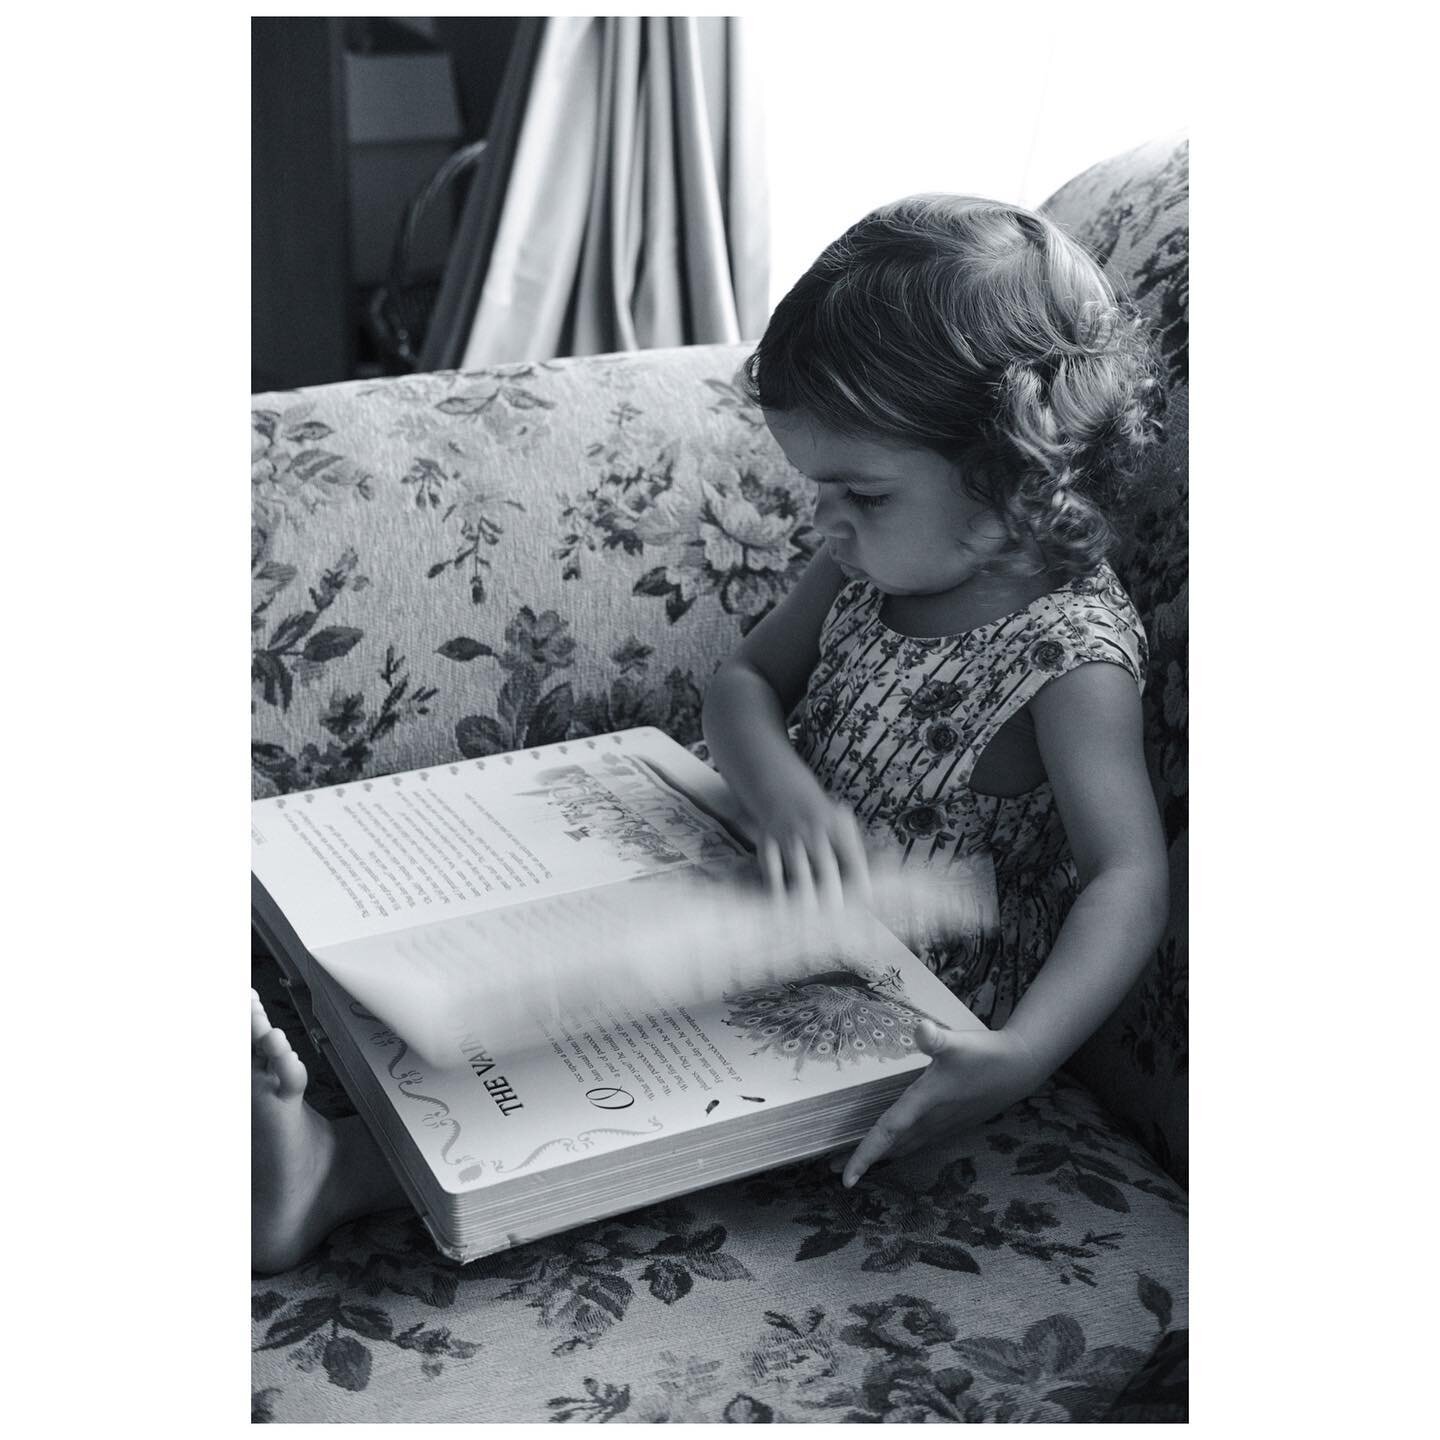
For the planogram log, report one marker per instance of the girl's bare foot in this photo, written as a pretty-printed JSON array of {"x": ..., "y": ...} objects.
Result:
[{"x": 307, "y": 1174}]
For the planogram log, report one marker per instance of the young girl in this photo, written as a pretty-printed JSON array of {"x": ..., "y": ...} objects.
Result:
[{"x": 957, "y": 378}]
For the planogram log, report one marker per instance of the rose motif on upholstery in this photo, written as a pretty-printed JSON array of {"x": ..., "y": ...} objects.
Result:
[
  {"x": 933, "y": 697},
  {"x": 942, "y": 737},
  {"x": 737, "y": 536},
  {"x": 922, "y": 820},
  {"x": 724, "y": 525},
  {"x": 822, "y": 711},
  {"x": 658, "y": 518},
  {"x": 1048, "y": 655}
]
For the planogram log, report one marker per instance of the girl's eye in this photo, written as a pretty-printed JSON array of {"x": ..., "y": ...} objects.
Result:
[{"x": 866, "y": 502}]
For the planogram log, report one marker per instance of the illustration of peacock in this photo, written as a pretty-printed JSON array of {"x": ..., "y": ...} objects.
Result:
[{"x": 836, "y": 1015}]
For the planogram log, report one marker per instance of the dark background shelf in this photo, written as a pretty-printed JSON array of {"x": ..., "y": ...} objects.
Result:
[{"x": 326, "y": 201}]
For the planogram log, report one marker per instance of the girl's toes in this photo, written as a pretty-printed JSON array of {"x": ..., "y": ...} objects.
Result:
[
  {"x": 274, "y": 1043},
  {"x": 259, "y": 1020},
  {"x": 287, "y": 1067},
  {"x": 290, "y": 1072}
]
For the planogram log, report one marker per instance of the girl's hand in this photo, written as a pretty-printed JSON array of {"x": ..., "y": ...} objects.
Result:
[
  {"x": 811, "y": 847},
  {"x": 972, "y": 1076}
]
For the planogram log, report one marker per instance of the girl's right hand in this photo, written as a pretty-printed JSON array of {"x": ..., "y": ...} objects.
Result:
[{"x": 810, "y": 846}]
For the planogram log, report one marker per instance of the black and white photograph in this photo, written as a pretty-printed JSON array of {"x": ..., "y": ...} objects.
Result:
[
  {"x": 719, "y": 729},
  {"x": 716, "y": 749},
  {"x": 719, "y": 725}
]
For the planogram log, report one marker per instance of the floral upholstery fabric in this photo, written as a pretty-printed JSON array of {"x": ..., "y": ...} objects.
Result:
[{"x": 463, "y": 563}]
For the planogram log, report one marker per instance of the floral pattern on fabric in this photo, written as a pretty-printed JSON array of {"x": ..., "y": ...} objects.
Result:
[{"x": 893, "y": 727}]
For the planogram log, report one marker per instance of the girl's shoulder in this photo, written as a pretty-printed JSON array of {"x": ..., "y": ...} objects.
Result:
[
  {"x": 854, "y": 607},
  {"x": 1088, "y": 619}
]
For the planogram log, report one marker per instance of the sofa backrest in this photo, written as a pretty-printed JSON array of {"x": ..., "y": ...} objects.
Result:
[{"x": 457, "y": 564}]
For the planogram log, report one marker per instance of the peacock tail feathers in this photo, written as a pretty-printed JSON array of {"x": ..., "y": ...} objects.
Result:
[{"x": 837, "y": 1017}]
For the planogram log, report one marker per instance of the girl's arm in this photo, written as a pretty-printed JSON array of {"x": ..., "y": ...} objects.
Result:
[
  {"x": 746, "y": 708},
  {"x": 1088, "y": 727},
  {"x": 1087, "y": 724}
]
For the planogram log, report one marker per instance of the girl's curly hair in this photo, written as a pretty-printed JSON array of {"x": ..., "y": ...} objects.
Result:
[{"x": 983, "y": 332}]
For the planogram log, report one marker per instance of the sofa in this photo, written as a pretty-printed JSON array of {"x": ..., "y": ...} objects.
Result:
[{"x": 463, "y": 563}]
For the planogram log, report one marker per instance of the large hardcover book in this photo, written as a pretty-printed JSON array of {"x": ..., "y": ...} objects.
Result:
[{"x": 518, "y": 967}]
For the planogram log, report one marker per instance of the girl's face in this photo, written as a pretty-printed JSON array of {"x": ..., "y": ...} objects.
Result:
[{"x": 895, "y": 514}]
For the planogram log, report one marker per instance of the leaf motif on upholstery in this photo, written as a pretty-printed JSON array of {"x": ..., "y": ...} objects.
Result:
[
  {"x": 332, "y": 642},
  {"x": 266, "y": 1304},
  {"x": 1156, "y": 1299},
  {"x": 367, "y": 1320},
  {"x": 1042, "y": 1159},
  {"x": 523, "y": 399},
  {"x": 946, "y": 1257},
  {"x": 1055, "y": 1343},
  {"x": 550, "y": 719},
  {"x": 463, "y": 648},
  {"x": 268, "y": 581},
  {"x": 304, "y": 1320},
  {"x": 602, "y": 1402},
  {"x": 996, "y": 1359},
  {"x": 347, "y": 1362},
  {"x": 823, "y": 1242},
  {"x": 291, "y": 629},
  {"x": 277, "y": 685},
  {"x": 747, "y": 1410},
  {"x": 479, "y": 736},
  {"x": 588, "y": 1310},
  {"x": 262, "y": 1405}
]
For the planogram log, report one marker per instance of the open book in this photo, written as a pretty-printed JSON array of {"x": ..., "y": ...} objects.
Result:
[{"x": 464, "y": 932}]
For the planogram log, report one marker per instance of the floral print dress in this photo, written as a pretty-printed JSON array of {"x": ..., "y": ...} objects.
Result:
[{"x": 893, "y": 726}]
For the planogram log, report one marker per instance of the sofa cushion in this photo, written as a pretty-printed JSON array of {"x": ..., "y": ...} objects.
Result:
[{"x": 1032, "y": 1269}]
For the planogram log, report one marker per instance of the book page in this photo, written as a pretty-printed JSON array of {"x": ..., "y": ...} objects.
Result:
[
  {"x": 629, "y": 1064},
  {"x": 379, "y": 856}
]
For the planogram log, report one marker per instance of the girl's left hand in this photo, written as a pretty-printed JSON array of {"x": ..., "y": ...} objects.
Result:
[{"x": 972, "y": 1076}]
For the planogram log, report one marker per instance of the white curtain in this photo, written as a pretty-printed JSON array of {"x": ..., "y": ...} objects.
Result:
[{"x": 636, "y": 213}]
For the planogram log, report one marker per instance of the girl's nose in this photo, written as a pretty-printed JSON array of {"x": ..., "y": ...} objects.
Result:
[{"x": 829, "y": 519}]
